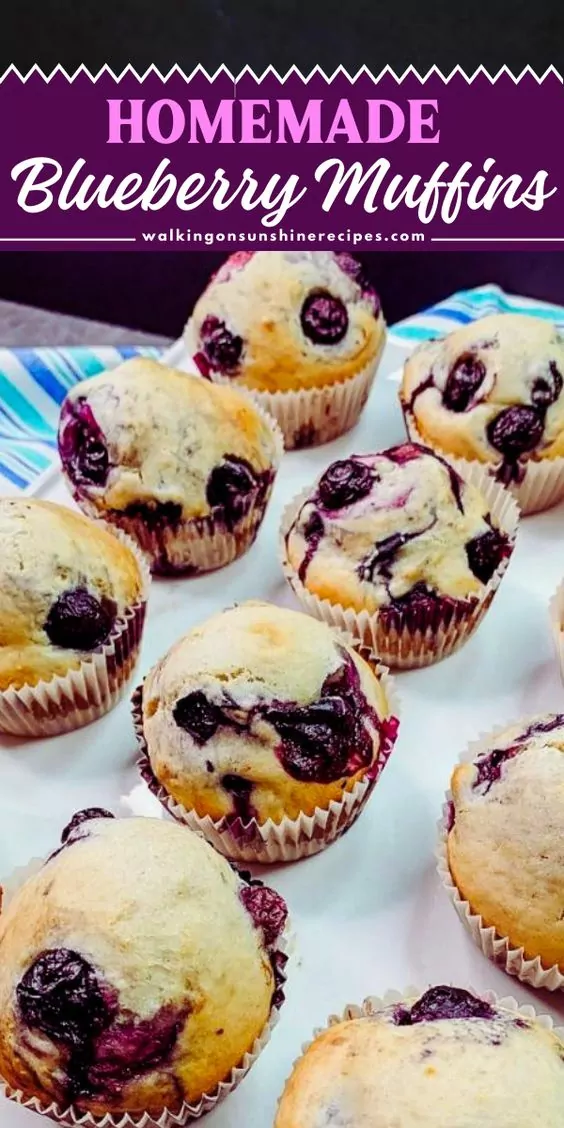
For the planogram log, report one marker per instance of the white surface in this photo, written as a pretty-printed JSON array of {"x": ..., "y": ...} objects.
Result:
[{"x": 369, "y": 913}]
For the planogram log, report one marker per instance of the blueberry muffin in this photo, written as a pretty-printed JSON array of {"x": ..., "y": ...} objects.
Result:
[
  {"x": 136, "y": 969},
  {"x": 263, "y": 713},
  {"x": 279, "y": 321},
  {"x": 184, "y": 466},
  {"x": 303, "y": 331},
  {"x": 491, "y": 392},
  {"x": 68, "y": 588},
  {"x": 446, "y": 1058},
  {"x": 506, "y": 836},
  {"x": 398, "y": 535}
]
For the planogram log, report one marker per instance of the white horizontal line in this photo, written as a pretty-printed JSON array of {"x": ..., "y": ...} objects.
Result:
[
  {"x": 513, "y": 239},
  {"x": 67, "y": 239}
]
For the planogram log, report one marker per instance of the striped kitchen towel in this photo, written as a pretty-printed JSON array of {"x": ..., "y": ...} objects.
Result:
[
  {"x": 466, "y": 306},
  {"x": 33, "y": 384}
]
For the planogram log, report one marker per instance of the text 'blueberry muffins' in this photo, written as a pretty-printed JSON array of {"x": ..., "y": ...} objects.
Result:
[
  {"x": 492, "y": 392},
  {"x": 505, "y": 848},
  {"x": 185, "y": 467},
  {"x": 138, "y": 972},
  {"x": 445, "y": 1059},
  {"x": 264, "y": 729},
  {"x": 72, "y": 607},
  {"x": 397, "y": 548},
  {"x": 303, "y": 330}
]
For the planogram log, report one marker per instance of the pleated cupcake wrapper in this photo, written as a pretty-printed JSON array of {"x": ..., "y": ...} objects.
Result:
[
  {"x": 494, "y": 946},
  {"x": 375, "y": 1004},
  {"x": 542, "y": 485},
  {"x": 556, "y": 612},
  {"x": 272, "y": 842},
  {"x": 309, "y": 417},
  {"x": 67, "y": 702},
  {"x": 415, "y": 640},
  {"x": 72, "y": 1118},
  {"x": 202, "y": 544}
]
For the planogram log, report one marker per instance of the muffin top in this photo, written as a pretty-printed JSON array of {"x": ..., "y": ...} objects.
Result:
[
  {"x": 506, "y": 841},
  {"x": 143, "y": 439},
  {"x": 282, "y": 320},
  {"x": 447, "y": 1058},
  {"x": 262, "y": 712},
  {"x": 136, "y": 968},
  {"x": 394, "y": 531},
  {"x": 490, "y": 391},
  {"x": 64, "y": 581}
]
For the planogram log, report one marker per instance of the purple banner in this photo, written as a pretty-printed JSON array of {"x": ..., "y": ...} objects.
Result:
[{"x": 195, "y": 163}]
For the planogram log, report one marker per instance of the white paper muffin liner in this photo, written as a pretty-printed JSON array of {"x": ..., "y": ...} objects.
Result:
[
  {"x": 494, "y": 946},
  {"x": 543, "y": 481},
  {"x": 309, "y": 417},
  {"x": 412, "y": 645},
  {"x": 271, "y": 842},
  {"x": 556, "y": 612},
  {"x": 202, "y": 544},
  {"x": 72, "y": 1118},
  {"x": 67, "y": 702}
]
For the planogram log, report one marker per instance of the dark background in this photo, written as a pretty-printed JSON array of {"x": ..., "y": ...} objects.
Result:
[{"x": 156, "y": 291}]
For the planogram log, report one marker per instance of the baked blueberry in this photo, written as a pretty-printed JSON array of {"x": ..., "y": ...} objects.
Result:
[
  {"x": 60, "y": 995},
  {"x": 463, "y": 381},
  {"x": 78, "y": 620},
  {"x": 345, "y": 482},
  {"x": 440, "y": 1003},
  {"x": 516, "y": 431},
  {"x": 198, "y": 716},
  {"x": 223, "y": 348},
  {"x": 82, "y": 444},
  {"x": 324, "y": 318},
  {"x": 268, "y": 910},
  {"x": 76, "y": 825},
  {"x": 231, "y": 486},
  {"x": 485, "y": 553}
]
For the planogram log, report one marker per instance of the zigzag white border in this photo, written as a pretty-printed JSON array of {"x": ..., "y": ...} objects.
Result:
[{"x": 270, "y": 71}]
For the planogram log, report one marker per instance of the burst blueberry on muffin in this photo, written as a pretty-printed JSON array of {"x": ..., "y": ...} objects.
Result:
[
  {"x": 136, "y": 969},
  {"x": 506, "y": 836},
  {"x": 263, "y": 713},
  {"x": 447, "y": 1058},
  {"x": 399, "y": 535},
  {"x": 183, "y": 466},
  {"x": 302, "y": 330},
  {"x": 66, "y": 587},
  {"x": 491, "y": 392}
]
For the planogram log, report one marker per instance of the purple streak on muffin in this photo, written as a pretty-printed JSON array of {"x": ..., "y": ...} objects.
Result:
[
  {"x": 345, "y": 482},
  {"x": 355, "y": 270},
  {"x": 82, "y": 444},
  {"x": 516, "y": 431},
  {"x": 552, "y": 723},
  {"x": 233, "y": 486},
  {"x": 489, "y": 767},
  {"x": 324, "y": 318},
  {"x": 198, "y": 716},
  {"x": 240, "y": 790},
  {"x": 222, "y": 348},
  {"x": 486, "y": 552},
  {"x": 61, "y": 996},
  {"x": 547, "y": 389},
  {"x": 78, "y": 620},
  {"x": 312, "y": 532},
  {"x": 78, "y": 821},
  {"x": 327, "y": 739},
  {"x": 409, "y": 452},
  {"x": 439, "y": 1003},
  {"x": 127, "y": 1049},
  {"x": 417, "y": 607},
  {"x": 450, "y": 816},
  {"x": 424, "y": 386},
  {"x": 380, "y": 559},
  {"x": 268, "y": 910},
  {"x": 463, "y": 381}
]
